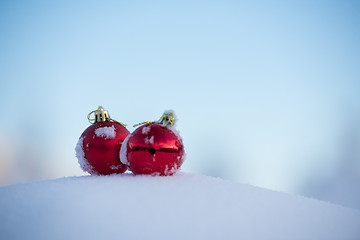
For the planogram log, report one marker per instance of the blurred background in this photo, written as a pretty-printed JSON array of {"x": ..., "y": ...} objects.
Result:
[{"x": 266, "y": 92}]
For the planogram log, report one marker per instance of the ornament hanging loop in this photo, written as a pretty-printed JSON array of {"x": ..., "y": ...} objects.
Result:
[
  {"x": 101, "y": 115},
  {"x": 167, "y": 119},
  {"x": 142, "y": 123}
]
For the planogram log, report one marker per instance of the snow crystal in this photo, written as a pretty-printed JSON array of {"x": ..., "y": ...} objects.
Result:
[
  {"x": 146, "y": 130},
  {"x": 123, "y": 151},
  {"x": 149, "y": 140},
  {"x": 171, "y": 171},
  {"x": 155, "y": 174},
  {"x": 106, "y": 132},
  {"x": 115, "y": 167},
  {"x": 80, "y": 154}
]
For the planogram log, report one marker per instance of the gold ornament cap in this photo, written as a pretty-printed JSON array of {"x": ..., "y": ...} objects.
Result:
[
  {"x": 101, "y": 115},
  {"x": 168, "y": 118}
]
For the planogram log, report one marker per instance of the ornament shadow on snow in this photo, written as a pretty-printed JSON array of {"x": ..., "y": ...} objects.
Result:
[
  {"x": 98, "y": 147},
  {"x": 154, "y": 148}
]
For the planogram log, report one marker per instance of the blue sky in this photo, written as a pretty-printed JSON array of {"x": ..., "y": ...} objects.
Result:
[{"x": 263, "y": 90}]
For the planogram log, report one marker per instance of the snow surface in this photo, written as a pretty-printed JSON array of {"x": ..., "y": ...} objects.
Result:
[
  {"x": 106, "y": 132},
  {"x": 183, "y": 206}
]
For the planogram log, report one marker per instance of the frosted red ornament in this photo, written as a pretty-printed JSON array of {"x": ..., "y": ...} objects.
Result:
[
  {"x": 155, "y": 148},
  {"x": 98, "y": 147}
]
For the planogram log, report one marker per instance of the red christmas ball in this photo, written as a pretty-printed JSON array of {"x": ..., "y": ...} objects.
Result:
[
  {"x": 153, "y": 149},
  {"x": 98, "y": 148}
]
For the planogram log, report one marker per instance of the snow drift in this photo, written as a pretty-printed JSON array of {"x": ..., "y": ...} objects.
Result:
[{"x": 184, "y": 206}]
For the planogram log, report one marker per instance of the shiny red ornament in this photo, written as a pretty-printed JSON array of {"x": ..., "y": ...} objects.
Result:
[
  {"x": 99, "y": 146},
  {"x": 154, "y": 149}
]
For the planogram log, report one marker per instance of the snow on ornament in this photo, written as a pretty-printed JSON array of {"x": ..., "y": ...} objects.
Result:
[
  {"x": 155, "y": 148},
  {"x": 98, "y": 147}
]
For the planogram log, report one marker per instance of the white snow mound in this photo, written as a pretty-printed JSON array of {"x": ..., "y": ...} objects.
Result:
[
  {"x": 183, "y": 206},
  {"x": 80, "y": 154},
  {"x": 106, "y": 132},
  {"x": 123, "y": 151}
]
